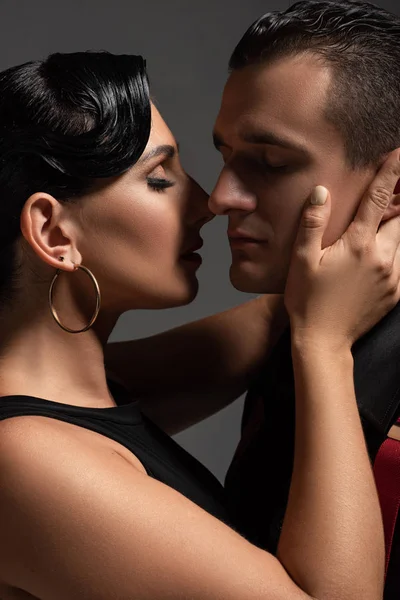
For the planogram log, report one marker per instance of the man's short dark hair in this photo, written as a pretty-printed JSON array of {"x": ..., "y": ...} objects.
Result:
[{"x": 361, "y": 43}]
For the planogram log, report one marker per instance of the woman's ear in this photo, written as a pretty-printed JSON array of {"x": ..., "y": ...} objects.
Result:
[{"x": 44, "y": 228}]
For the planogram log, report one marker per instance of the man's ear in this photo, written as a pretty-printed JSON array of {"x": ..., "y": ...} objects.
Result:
[{"x": 393, "y": 210}]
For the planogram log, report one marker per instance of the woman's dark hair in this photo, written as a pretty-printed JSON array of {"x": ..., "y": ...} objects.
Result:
[
  {"x": 65, "y": 122},
  {"x": 361, "y": 43}
]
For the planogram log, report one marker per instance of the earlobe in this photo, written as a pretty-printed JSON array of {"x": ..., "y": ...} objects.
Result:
[{"x": 40, "y": 226}]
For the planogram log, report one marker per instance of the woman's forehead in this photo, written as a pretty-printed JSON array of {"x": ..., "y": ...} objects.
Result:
[{"x": 160, "y": 133}]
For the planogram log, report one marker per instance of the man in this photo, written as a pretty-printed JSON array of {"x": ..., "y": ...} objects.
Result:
[{"x": 313, "y": 98}]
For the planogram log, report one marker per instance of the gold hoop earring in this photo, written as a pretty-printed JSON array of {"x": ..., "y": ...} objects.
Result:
[{"x": 98, "y": 300}]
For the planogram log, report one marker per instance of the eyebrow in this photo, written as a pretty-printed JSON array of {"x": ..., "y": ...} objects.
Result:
[
  {"x": 164, "y": 150},
  {"x": 262, "y": 137}
]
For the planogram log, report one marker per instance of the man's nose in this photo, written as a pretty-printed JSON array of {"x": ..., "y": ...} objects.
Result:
[{"x": 230, "y": 194}]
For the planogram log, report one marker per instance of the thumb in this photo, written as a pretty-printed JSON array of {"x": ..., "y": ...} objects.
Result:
[{"x": 313, "y": 223}]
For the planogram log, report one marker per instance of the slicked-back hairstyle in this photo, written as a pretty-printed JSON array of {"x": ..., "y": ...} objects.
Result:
[
  {"x": 65, "y": 122},
  {"x": 361, "y": 44}
]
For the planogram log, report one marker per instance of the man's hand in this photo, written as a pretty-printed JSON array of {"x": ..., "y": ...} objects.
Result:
[{"x": 342, "y": 291}]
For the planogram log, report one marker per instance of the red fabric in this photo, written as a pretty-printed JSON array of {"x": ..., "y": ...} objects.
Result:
[{"x": 387, "y": 477}]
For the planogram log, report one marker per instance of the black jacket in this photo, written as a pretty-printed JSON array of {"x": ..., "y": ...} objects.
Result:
[{"x": 258, "y": 480}]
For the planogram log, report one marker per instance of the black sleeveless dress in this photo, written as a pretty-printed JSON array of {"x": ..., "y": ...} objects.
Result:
[{"x": 161, "y": 456}]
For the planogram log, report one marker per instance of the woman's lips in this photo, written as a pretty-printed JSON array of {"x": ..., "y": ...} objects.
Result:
[
  {"x": 190, "y": 256},
  {"x": 193, "y": 247},
  {"x": 192, "y": 259}
]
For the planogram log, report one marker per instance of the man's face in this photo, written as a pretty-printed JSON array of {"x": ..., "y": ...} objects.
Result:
[{"x": 277, "y": 145}]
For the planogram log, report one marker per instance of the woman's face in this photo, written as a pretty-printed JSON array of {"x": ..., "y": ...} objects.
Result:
[{"x": 138, "y": 231}]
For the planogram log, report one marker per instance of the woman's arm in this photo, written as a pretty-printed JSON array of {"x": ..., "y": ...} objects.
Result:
[
  {"x": 332, "y": 536},
  {"x": 77, "y": 523},
  {"x": 330, "y": 297},
  {"x": 191, "y": 372}
]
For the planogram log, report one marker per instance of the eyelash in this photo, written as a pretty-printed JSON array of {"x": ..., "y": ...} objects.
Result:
[
  {"x": 265, "y": 166},
  {"x": 158, "y": 184},
  {"x": 272, "y": 169}
]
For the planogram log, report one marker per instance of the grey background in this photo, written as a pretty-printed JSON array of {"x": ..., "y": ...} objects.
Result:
[{"x": 187, "y": 46}]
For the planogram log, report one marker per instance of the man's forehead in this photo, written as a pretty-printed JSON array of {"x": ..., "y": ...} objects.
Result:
[
  {"x": 287, "y": 98},
  {"x": 293, "y": 83}
]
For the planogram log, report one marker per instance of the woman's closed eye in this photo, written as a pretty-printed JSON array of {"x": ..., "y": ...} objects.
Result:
[
  {"x": 159, "y": 184},
  {"x": 158, "y": 181}
]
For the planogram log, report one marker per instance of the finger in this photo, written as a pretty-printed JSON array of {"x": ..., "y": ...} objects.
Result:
[
  {"x": 378, "y": 195},
  {"x": 313, "y": 223}
]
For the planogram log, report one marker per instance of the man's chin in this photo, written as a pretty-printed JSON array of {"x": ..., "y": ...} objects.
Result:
[{"x": 256, "y": 283}]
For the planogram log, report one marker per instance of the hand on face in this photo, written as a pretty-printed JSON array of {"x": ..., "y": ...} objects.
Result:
[{"x": 340, "y": 292}]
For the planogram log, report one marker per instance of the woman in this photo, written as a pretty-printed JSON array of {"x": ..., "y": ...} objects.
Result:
[{"x": 98, "y": 217}]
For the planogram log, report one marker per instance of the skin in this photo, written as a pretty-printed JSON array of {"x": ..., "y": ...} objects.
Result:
[{"x": 263, "y": 186}]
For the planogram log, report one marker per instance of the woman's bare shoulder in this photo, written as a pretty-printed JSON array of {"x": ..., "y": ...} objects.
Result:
[
  {"x": 28, "y": 437},
  {"x": 75, "y": 524}
]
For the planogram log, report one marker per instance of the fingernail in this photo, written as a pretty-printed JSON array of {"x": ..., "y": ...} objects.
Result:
[{"x": 319, "y": 195}]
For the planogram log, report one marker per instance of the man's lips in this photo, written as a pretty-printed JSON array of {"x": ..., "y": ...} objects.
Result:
[{"x": 237, "y": 237}]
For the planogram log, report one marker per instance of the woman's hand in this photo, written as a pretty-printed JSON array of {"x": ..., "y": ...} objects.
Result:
[{"x": 340, "y": 292}]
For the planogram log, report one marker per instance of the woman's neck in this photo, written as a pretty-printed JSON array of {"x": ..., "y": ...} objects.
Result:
[{"x": 38, "y": 358}]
